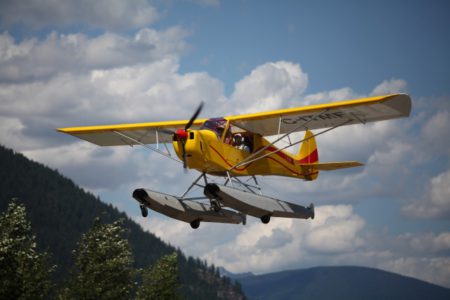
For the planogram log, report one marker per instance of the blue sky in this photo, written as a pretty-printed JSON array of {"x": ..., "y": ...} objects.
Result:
[
  {"x": 84, "y": 63},
  {"x": 333, "y": 41}
]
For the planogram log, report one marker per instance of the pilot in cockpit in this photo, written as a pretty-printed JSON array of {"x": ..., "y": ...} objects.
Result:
[
  {"x": 246, "y": 144},
  {"x": 239, "y": 142}
]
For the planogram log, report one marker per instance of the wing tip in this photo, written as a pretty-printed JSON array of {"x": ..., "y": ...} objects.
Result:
[
  {"x": 63, "y": 130},
  {"x": 401, "y": 102},
  {"x": 68, "y": 130}
]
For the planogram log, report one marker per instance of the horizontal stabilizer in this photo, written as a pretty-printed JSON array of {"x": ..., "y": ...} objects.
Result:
[{"x": 329, "y": 166}]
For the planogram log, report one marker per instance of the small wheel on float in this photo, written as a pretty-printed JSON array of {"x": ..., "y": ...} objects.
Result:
[
  {"x": 195, "y": 224},
  {"x": 144, "y": 211},
  {"x": 265, "y": 219}
]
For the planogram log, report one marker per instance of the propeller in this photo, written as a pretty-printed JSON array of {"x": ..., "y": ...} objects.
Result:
[
  {"x": 194, "y": 116},
  {"x": 182, "y": 134}
]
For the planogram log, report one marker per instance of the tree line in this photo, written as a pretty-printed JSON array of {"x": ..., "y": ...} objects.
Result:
[
  {"x": 61, "y": 212},
  {"x": 102, "y": 269}
]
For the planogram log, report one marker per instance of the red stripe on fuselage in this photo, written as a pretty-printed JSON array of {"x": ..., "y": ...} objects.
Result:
[
  {"x": 281, "y": 154},
  {"x": 228, "y": 164}
]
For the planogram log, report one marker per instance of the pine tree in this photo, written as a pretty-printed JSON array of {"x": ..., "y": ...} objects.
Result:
[
  {"x": 24, "y": 272},
  {"x": 161, "y": 281},
  {"x": 103, "y": 265}
]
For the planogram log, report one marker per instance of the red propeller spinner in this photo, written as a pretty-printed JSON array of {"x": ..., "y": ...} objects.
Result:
[{"x": 181, "y": 135}]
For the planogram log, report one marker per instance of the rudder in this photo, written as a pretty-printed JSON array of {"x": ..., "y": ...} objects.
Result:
[
  {"x": 308, "y": 153},
  {"x": 308, "y": 157}
]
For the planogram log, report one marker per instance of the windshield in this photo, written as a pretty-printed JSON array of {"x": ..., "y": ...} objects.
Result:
[{"x": 216, "y": 125}]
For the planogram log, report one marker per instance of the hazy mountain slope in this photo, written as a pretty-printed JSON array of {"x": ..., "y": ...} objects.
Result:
[
  {"x": 339, "y": 283},
  {"x": 60, "y": 212}
]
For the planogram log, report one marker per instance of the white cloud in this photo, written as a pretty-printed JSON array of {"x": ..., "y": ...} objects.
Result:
[
  {"x": 394, "y": 152},
  {"x": 33, "y": 59},
  {"x": 392, "y": 86},
  {"x": 261, "y": 247},
  {"x": 93, "y": 167},
  {"x": 269, "y": 86},
  {"x": 108, "y": 14},
  {"x": 331, "y": 96},
  {"x": 427, "y": 243},
  {"x": 435, "y": 270},
  {"x": 440, "y": 190},
  {"x": 278, "y": 238},
  {"x": 335, "y": 233},
  {"x": 435, "y": 203},
  {"x": 11, "y": 134},
  {"x": 434, "y": 133},
  {"x": 32, "y": 111}
]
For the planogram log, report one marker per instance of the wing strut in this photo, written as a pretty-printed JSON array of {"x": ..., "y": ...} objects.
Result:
[
  {"x": 246, "y": 162},
  {"x": 248, "y": 186},
  {"x": 195, "y": 184},
  {"x": 145, "y": 145}
]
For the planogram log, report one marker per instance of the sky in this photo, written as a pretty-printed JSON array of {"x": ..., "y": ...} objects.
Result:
[{"x": 75, "y": 63}]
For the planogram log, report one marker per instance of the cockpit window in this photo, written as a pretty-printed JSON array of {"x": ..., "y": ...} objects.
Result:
[
  {"x": 240, "y": 138},
  {"x": 217, "y": 125}
]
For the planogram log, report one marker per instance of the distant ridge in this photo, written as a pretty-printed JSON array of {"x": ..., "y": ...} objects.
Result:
[
  {"x": 339, "y": 283},
  {"x": 225, "y": 272}
]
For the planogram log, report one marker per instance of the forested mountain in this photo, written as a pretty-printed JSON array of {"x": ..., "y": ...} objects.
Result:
[
  {"x": 60, "y": 212},
  {"x": 339, "y": 283}
]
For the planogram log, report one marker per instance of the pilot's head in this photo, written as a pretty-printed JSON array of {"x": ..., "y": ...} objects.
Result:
[{"x": 237, "y": 140}]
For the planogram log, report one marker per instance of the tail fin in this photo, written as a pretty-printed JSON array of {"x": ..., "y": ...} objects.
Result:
[
  {"x": 308, "y": 151},
  {"x": 308, "y": 157}
]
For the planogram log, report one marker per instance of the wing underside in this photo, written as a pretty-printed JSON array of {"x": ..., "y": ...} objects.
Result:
[
  {"x": 129, "y": 134},
  {"x": 328, "y": 115}
]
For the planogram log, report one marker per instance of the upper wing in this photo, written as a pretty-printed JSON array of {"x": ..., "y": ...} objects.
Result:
[
  {"x": 325, "y": 115},
  {"x": 266, "y": 123},
  {"x": 129, "y": 134}
]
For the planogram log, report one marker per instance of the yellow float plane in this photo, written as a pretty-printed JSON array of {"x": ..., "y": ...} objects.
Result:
[{"x": 236, "y": 149}]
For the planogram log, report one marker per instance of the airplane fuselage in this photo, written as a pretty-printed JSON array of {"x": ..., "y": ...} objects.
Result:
[{"x": 210, "y": 154}]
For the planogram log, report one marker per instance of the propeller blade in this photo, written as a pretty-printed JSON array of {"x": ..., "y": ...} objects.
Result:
[
  {"x": 183, "y": 149},
  {"x": 194, "y": 116}
]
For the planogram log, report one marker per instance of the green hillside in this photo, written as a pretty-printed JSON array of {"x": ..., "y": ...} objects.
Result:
[
  {"x": 60, "y": 212},
  {"x": 339, "y": 283}
]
